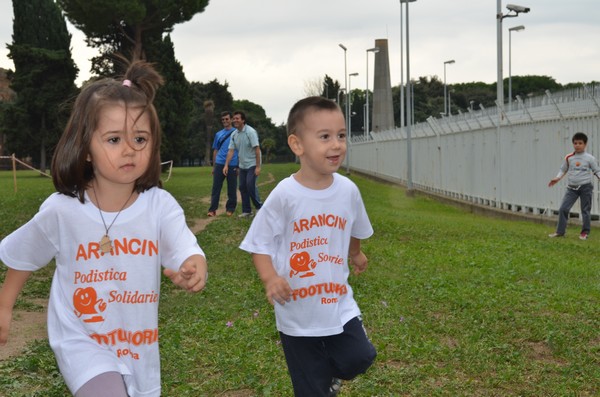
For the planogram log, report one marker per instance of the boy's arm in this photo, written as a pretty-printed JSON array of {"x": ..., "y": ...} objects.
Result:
[
  {"x": 276, "y": 287},
  {"x": 13, "y": 284},
  {"x": 555, "y": 180},
  {"x": 562, "y": 172},
  {"x": 358, "y": 258},
  {"x": 192, "y": 274}
]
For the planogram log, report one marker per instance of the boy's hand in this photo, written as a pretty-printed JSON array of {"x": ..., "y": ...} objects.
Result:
[
  {"x": 192, "y": 274},
  {"x": 359, "y": 262},
  {"x": 278, "y": 290},
  {"x": 553, "y": 181}
]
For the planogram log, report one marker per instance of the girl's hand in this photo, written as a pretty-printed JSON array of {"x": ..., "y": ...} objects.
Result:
[
  {"x": 192, "y": 274},
  {"x": 5, "y": 319}
]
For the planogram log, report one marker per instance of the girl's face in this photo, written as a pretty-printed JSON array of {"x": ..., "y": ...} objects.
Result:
[
  {"x": 321, "y": 142},
  {"x": 121, "y": 144}
]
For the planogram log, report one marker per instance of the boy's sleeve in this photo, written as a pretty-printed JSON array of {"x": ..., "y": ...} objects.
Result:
[{"x": 564, "y": 167}]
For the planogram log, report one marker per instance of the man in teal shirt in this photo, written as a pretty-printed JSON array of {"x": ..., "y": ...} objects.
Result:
[{"x": 245, "y": 141}]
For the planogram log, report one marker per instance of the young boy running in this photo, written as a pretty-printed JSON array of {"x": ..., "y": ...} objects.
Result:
[
  {"x": 579, "y": 167},
  {"x": 300, "y": 243}
]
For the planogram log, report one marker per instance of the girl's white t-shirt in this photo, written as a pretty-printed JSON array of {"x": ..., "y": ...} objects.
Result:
[
  {"x": 307, "y": 234},
  {"x": 103, "y": 308}
]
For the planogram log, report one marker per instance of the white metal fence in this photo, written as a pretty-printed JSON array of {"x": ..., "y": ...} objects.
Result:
[{"x": 500, "y": 160}]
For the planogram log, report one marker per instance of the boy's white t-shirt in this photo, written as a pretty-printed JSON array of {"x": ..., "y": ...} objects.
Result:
[
  {"x": 307, "y": 234},
  {"x": 103, "y": 308}
]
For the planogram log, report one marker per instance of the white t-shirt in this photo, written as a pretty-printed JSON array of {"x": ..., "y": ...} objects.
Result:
[
  {"x": 103, "y": 308},
  {"x": 307, "y": 234}
]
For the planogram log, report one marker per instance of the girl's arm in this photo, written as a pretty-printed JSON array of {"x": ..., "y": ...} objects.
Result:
[
  {"x": 276, "y": 287},
  {"x": 13, "y": 284},
  {"x": 358, "y": 258},
  {"x": 192, "y": 274}
]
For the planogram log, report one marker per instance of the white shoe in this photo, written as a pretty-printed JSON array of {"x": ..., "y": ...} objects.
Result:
[{"x": 245, "y": 214}]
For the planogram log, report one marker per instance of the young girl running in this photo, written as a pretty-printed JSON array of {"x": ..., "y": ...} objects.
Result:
[{"x": 109, "y": 227}]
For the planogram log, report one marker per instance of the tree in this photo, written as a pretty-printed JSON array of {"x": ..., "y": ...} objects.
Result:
[
  {"x": 43, "y": 79},
  {"x": 199, "y": 134},
  {"x": 173, "y": 100},
  {"x": 122, "y": 26},
  {"x": 313, "y": 87},
  {"x": 330, "y": 88}
]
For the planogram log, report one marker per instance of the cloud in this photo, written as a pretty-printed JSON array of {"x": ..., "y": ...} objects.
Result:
[{"x": 268, "y": 50}]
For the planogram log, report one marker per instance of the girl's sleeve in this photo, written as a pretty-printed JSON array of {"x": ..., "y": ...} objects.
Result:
[
  {"x": 28, "y": 248},
  {"x": 176, "y": 239}
]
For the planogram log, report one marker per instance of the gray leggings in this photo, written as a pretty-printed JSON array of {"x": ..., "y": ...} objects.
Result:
[{"x": 106, "y": 384}]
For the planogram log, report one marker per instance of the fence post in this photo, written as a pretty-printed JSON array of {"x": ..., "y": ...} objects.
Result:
[{"x": 14, "y": 168}]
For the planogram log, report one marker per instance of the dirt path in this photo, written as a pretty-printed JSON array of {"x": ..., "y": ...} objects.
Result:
[{"x": 28, "y": 326}]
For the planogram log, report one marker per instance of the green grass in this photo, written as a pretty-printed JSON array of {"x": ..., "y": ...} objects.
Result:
[{"x": 456, "y": 304}]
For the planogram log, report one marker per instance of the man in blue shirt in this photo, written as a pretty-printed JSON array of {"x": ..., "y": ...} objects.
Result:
[{"x": 220, "y": 150}]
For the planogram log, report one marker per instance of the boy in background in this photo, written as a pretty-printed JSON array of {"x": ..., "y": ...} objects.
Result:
[
  {"x": 300, "y": 243},
  {"x": 579, "y": 167}
]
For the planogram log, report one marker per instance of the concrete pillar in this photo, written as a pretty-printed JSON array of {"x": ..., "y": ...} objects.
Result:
[{"x": 383, "y": 109}]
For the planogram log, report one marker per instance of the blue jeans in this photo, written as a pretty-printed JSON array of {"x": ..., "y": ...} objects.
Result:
[
  {"x": 313, "y": 361},
  {"x": 248, "y": 190},
  {"x": 584, "y": 194},
  {"x": 218, "y": 179}
]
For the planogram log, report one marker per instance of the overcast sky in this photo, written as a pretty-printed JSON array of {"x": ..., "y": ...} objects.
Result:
[{"x": 270, "y": 50}]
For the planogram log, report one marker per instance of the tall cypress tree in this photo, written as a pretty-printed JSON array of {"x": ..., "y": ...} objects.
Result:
[
  {"x": 43, "y": 78},
  {"x": 173, "y": 100}
]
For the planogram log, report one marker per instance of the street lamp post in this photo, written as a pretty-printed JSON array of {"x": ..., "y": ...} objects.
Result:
[
  {"x": 349, "y": 117},
  {"x": 515, "y": 10},
  {"x": 374, "y": 50},
  {"x": 338, "y": 95},
  {"x": 345, "y": 78},
  {"x": 346, "y": 97},
  {"x": 446, "y": 104},
  {"x": 402, "y": 88},
  {"x": 409, "y": 184},
  {"x": 510, "y": 30}
]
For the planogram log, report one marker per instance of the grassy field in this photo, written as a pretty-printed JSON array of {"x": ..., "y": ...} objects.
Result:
[{"x": 456, "y": 304}]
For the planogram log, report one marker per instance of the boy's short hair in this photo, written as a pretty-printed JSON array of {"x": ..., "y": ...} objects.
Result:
[
  {"x": 579, "y": 136},
  {"x": 226, "y": 113},
  {"x": 300, "y": 108}
]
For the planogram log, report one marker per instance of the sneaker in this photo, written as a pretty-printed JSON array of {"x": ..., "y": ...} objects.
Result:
[
  {"x": 583, "y": 236},
  {"x": 211, "y": 214},
  {"x": 556, "y": 235},
  {"x": 229, "y": 213},
  {"x": 245, "y": 214},
  {"x": 334, "y": 388}
]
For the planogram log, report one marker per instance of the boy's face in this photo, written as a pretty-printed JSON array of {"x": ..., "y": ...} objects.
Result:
[
  {"x": 578, "y": 146},
  {"x": 320, "y": 141}
]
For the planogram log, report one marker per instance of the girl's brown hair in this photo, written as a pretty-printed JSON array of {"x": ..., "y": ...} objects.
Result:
[{"x": 71, "y": 172}]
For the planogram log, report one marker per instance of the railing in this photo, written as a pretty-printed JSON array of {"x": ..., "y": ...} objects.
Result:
[{"x": 504, "y": 161}]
